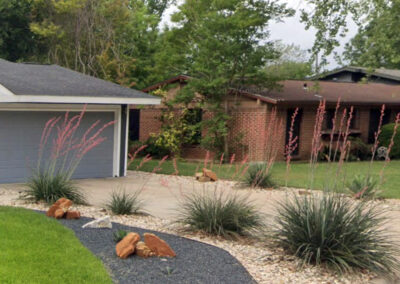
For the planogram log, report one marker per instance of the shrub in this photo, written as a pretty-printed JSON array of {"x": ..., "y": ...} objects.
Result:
[
  {"x": 43, "y": 186},
  {"x": 335, "y": 231},
  {"x": 258, "y": 176},
  {"x": 386, "y": 136},
  {"x": 359, "y": 151},
  {"x": 119, "y": 235},
  {"x": 123, "y": 203},
  {"x": 366, "y": 186},
  {"x": 227, "y": 215}
]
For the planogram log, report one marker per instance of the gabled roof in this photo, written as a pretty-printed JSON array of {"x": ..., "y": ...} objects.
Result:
[
  {"x": 392, "y": 74},
  {"x": 307, "y": 92},
  {"x": 25, "y": 82}
]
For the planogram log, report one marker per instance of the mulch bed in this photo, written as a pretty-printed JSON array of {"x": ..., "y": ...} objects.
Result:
[{"x": 195, "y": 262}]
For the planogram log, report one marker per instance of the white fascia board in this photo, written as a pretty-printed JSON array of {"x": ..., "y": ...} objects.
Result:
[
  {"x": 9, "y": 97},
  {"x": 79, "y": 100}
]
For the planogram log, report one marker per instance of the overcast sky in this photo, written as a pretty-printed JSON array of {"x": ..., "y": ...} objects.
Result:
[{"x": 292, "y": 31}]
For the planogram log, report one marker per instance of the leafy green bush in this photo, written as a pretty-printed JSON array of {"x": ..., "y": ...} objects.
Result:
[
  {"x": 123, "y": 203},
  {"x": 227, "y": 215},
  {"x": 366, "y": 185},
  {"x": 119, "y": 235},
  {"x": 339, "y": 232},
  {"x": 386, "y": 136},
  {"x": 152, "y": 149},
  {"x": 359, "y": 151},
  {"x": 43, "y": 186},
  {"x": 257, "y": 176}
]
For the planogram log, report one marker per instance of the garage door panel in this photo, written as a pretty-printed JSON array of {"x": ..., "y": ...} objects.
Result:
[{"x": 20, "y": 134}]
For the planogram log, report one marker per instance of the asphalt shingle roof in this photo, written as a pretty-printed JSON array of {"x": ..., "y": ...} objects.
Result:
[{"x": 54, "y": 80}]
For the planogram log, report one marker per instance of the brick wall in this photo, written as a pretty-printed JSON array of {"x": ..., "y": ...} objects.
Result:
[{"x": 149, "y": 122}]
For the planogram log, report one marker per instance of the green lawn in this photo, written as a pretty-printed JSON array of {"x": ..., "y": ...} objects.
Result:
[
  {"x": 37, "y": 249},
  {"x": 299, "y": 175}
]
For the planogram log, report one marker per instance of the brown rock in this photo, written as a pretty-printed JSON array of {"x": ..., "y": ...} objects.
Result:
[
  {"x": 59, "y": 213},
  {"x": 65, "y": 205},
  {"x": 73, "y": 215},
  {"x": 204, "y": 179},
  {"x": 61, "y": 200},
  {"x": 158, "y": 246},
  {"x": 210, "y": 174},
  {"x": 304, "y": 192},
  {"x": 127, "y": 245},
  {"x": 143, "y": 250},
  {"x": 198, "y": 175},
  {"x": 52, "y": 210}
]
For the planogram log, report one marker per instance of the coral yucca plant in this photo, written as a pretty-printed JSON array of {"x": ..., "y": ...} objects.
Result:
[
  {"x": 64, "y": 149},
  {"x": 336, "y": 231},
  {"x": 221, "y": 214},
  {"x": 365, "y": 187},
  {"x": 42, "y": 186},
  {"x": 123, "y": 203},
  {"x": 258, "y": 176}
]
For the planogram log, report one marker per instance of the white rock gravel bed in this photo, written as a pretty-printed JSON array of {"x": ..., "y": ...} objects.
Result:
[{"x": 265, "y": 264}]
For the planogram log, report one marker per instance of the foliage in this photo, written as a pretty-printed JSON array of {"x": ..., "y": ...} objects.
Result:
[
  {"x": 386, "y": 136},
  {"x": 293, "y": 64},
  {"x": 123, "y": 203},
  {"x": 119, "y": 235},
  {"x": 366, "y": 186},
  {"x": 359, "y": 151},
  {"x": 111, "y": 39},
  {"x": 258, "y": 176},
  {"x": 43, "y": 186},
  {"x": 228, "y": 215},
  {"x": 17, "y": 41},
  {"x": 59, "y": 159},
  {"x": 337, "y": 232},
  {"x": 223, "y": 45},
  {"x": 54, "y": 247}
]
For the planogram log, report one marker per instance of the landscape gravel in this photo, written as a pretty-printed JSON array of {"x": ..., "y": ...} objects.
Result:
[
  {"x": 195, "y": 262},
  {"x": 265, "y": 263}
]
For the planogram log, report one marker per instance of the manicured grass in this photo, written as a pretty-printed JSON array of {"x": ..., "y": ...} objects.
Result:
[
  {"x": 299, "y": 174},
  {"x": 37, "y": 249}
]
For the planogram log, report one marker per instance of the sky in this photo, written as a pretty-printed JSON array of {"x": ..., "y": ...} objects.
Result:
[{"x": 292, "y": 31}]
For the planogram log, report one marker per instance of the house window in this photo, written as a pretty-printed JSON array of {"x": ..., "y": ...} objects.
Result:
[
  {"x": 296, "y": 128},
  {"x": 330, "y": 115},
  {"x": 193, "y": 117},
  {"x": 354, "y": 123}
]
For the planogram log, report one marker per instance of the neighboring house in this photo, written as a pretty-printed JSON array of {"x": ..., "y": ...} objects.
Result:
[
  {"x": 30, "y": 94},
  {"x": 353, "y": 74},
  {"x": 250, "y": 110}
]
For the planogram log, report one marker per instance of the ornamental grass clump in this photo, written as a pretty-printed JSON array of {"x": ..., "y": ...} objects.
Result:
[
  {"x": 228, "y": 215},
  {"x": 42, "y": 186},
  {"x": 338, "y": 232},
  {"x": 258, "y": 176},
  {"x": 62, "y": 146},
  {"x": 365, "y": 187},
  {"x": 123, "y": 203}
]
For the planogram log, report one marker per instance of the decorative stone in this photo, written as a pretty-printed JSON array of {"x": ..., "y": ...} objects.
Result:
[
  {"x": 127, "y": 245},
  {"x": 73, "y": 215},
  {"x": 65, "y": 205},
  {"x": 210, "y": 174},
  {"x": 104, "y": 222},
  {"x": 143, "y": 250},
  {"x": 204, "y": 179},
  {"x": 198, "y": 175},
  {"x": 158, "y": 246},
  {"x": 52, "y": 210},
  {"x": 59, "y": 213}
]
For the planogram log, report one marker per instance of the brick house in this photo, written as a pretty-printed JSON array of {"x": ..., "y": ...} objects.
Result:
[{"x": 250, "y": 109}]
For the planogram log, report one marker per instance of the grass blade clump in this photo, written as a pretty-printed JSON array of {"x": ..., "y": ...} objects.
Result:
[
  {"x": 258, "y": 176},
  {"x": 366, "y": 187},
  {"x": 335, "y": 231},
  {"x": 123, "y": 203},
  {"x": 227, "y": 215},
  {"x": 49, "y": 188}
]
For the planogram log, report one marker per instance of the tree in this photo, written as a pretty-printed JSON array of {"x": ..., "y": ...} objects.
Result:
[
  {"x": 375, "y": 45},
  {"x": 293, "y": 64},
  {"x": 223, "y": 45},
  {"x": 17, "y": 42}
]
